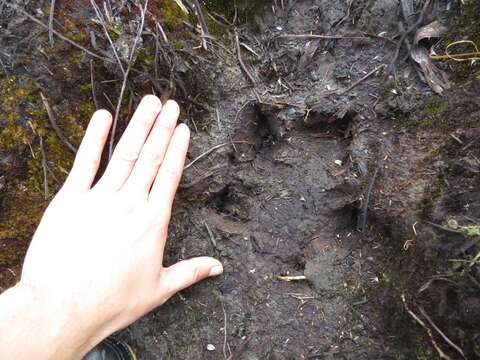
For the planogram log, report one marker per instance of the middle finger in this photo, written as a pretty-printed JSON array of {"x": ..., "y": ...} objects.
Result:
[{"x": 128, "y": 148}]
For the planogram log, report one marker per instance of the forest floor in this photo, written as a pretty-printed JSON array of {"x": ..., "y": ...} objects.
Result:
[{"x": 337, "y": 186}]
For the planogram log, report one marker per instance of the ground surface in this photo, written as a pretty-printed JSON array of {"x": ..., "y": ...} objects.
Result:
[{"x": 286, "y": 195}]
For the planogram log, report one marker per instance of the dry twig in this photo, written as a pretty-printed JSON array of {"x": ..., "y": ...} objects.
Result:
[
  {"x": 362, "y": 220},
  {"x": 406, "y": 33},
  {"x": 240, "y": 60},
  {"x": 64, "y": 38},
  {"x": 209, "y": 151},
  {"x": 203, "y": 24},
  {"x": 125, "y": 78},
  {"x": 50, "y": 22},
  {"x": 44, "y": 166},
  {"x": 427, "y": 329},
  {"x": 359, "y": 81},
  {"x": 105, "y": 30},
  {"x": 56, "y": 128},
  {"x": 449, "y": 342},
  {"x": 320, "y": 36},
  {"x": 292, "y": 278},
  {"x": 224, "y": 330}
]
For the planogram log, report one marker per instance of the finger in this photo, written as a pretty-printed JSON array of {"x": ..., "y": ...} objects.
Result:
[
  {"x": 186, "y": 273},
  {"x": 153, "y": 152},
  {"x": 168, "y": 177},
  {"x": 128, "y": 149},
  {"x": 89, "y": 153}
]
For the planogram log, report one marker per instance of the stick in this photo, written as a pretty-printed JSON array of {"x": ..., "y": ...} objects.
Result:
[
  {"x": 56, "y": 128},
  {"x": 210, "y": 234},
  {"x": 125, "y": 78},
  {"x": 320, "y": 36},
  {"x": 208, "y": 152},
  {"x": 104, "y": 26},
  {"x": 406, "y": 33},
  {"x": 203, "y": 24},
  {"x": 50, "y": 22},
  {"x": 44, "y": 166},
  {"x": 429, "y": 332},
  {"x": 361, "y": 80},
  {"x": 362, "y": 221},
  {"x": 240, "y": 60},
  {"x": 92, "y": 81},
  {"x": 450, "y": 342},
  {"x": 292, "y": 278},
  {"x": 224, "y": 330},
  {"x": 64, "y": 38}
]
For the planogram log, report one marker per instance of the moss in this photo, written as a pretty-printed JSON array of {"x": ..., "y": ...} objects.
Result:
[
  {"x": 464, "y": 24},
  {"x": 75, "y": 58},
  {"x": 435, "y": 191},
  {"x": 73, "y": 32},
  {"x": 245, "y": 9},
  {"x": 168, "y": 13},
  {"x": 214, "y": 28},
  {"x": 434, "y": 115},
  {"x": 23, "y": 211},
  {"x": 25, "y": 121},
  {"x": 145, "y": 56},
  {"x": 178, "y": 45}
]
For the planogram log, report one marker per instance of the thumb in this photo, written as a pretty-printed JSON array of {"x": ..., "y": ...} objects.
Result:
[{"x": 186, "y": 273}]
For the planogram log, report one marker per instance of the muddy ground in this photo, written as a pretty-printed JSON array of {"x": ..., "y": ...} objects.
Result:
[{"x": 370, "y": 192}]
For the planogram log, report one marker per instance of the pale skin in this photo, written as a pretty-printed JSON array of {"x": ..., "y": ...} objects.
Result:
[{"x": 95, "y": 262}]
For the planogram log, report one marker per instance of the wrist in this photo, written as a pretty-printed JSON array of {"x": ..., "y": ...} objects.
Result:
[{"x": 33, "y": 323}]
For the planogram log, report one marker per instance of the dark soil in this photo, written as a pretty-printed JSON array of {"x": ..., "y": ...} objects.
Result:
[{"x": 356, "y": 189}]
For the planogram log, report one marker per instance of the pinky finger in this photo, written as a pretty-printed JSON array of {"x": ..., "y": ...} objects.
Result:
[{"x": 89, "y": 154}]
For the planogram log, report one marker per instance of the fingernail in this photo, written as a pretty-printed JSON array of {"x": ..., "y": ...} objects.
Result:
[
  {"x": 171, "y": 104},
  {"x": 216, "y": 270}
]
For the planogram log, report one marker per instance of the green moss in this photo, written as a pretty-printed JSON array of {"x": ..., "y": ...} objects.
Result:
[
  {"x": 169, "y": 13},
  {"x": 73, "y": 32},
  {"x": 385, "y": 89},
  {"x": 435, "y": 191},
  {"x": 75, "y": 58},
  {"x": 178, "y": 45},
  {"x": 245, "y": 9},
  {"x": 145, "y": 56},
  {"x": 464, "y": 24},
  {"x": 472, "y": 230},
  {"x": 24, "y": 122},
  {"x": 433, "y": 116}
]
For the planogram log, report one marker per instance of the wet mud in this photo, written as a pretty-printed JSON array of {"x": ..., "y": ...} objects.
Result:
[{"x": 316, "y": 185}]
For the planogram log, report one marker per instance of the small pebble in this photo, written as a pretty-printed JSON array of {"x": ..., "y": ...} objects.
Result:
[
  {"x": 338, "y": 162},
  {"x": 211, "y": 347}
]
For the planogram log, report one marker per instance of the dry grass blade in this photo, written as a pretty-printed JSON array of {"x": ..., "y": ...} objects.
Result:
[{"x": 467, "y": 56}]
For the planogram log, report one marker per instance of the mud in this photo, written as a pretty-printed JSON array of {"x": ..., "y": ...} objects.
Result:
[{"x": 288, "y": 194}]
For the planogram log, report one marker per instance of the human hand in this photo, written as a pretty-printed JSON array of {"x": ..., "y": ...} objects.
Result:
[{"x": 96, "y": 258}]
